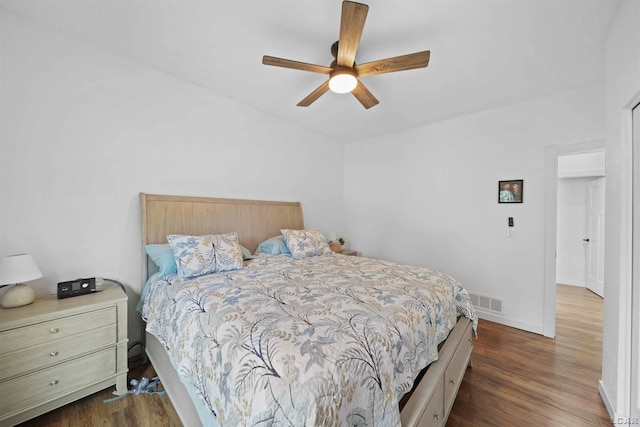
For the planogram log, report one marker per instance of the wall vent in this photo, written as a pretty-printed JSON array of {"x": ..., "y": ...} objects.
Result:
[{"x": 486, "y": 303}]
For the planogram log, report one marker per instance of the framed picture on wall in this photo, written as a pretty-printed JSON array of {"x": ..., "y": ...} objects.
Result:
[{"x": 510, "y": 191}]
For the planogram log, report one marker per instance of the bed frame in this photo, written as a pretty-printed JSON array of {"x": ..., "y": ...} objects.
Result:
[{"x": 255, "y": 221}]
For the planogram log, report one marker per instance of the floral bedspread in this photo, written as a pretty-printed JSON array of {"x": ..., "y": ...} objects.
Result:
[{"x": 322, "y": 341}]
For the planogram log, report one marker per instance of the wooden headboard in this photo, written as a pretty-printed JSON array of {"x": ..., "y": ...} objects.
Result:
[{"x": 253, "y": 220}]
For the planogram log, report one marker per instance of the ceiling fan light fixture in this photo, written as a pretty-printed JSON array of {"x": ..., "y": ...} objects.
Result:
[
  {"x": 343, "y": 80},
  {"x": 343, "y": 71}
]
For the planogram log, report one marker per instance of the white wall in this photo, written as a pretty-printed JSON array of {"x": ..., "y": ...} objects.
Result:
[
  {"x": 84, "y": 131},
  {"x": 428, "y": 196},
  {"x": 572, "y": 228},
  {"x": 622, "y": 76}
]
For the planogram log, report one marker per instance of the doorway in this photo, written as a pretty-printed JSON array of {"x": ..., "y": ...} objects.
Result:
[
  {"x": 580, "y": 220},
  {"x": 553, "y": 155}
]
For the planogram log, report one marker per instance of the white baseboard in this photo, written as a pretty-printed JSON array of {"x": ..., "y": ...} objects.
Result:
[
  {"x": 536, "y": 329},
  {"x": 571, "y": 282},
  {"x": 606, "y": 400}
]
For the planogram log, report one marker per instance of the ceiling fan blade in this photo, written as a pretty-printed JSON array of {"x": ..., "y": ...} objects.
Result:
[
  {"x": 351, "y": 25},
  {"x": 398, "y": 63},
  {"x": 365, "y": 97},
  {"x": 310, "y": 99},
  {"x": 296, "y": 65}
]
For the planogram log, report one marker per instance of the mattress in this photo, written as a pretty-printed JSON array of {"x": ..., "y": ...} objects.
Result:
[{"x": 325, "y": 340}]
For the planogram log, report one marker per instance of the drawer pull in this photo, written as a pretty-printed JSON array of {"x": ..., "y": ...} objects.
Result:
[
  {"x": 54, "y": 382},
  {"x": 451, "y": 382},
  {"x": 54, "y": 330},
  {"x": 436, "y": 416},
  {"x": 53, "y": 354}
]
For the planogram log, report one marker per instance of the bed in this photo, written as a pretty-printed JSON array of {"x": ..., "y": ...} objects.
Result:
[{"x": 319, "y": 340}]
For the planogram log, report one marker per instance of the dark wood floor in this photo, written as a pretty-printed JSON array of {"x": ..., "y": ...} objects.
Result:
[
  {"x": 518, "y": 379},
  {"x": 523, "y": 379}
]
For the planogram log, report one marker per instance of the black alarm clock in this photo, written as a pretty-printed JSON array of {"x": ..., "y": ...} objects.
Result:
[{"x": 77, "y": 287}]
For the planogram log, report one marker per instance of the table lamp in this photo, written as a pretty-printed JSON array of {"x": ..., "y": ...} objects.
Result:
[{"x": 15, "y": 269}]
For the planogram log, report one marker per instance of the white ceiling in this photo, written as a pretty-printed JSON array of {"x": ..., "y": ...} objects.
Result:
[{"x": 484, "y": 53}]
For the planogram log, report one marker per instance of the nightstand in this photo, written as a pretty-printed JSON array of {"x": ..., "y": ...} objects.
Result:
[
  {"x": 349, "y": 252},
  {"x": 57, "y": 351}
]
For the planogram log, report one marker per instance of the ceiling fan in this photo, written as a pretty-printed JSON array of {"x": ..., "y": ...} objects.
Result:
[{"x": 343, "y": 71}]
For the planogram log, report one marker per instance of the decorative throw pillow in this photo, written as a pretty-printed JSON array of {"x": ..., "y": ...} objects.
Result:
[
  {"x": 273, "y": 246},
  {"x": 306, "y": 243},
  {"x": 199, "y": 255},
  {"x": 162, "y": 256}
]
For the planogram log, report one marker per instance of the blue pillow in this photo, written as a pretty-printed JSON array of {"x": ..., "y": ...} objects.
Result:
[
  {"x": 273, "y": 246},
  {"x": 162, "y": 256},
  {"x": 246, "y": 253}
]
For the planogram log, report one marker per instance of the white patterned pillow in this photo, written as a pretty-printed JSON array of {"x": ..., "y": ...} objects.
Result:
[
  {"x": 306, "y": 243},
  {"x": 199, "y": 255}
]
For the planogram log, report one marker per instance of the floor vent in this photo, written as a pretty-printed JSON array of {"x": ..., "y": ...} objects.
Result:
[{"x": 483, "y": 302}]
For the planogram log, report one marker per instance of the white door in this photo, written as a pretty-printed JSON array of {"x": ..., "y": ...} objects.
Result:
[
  {"x": 595, "y": 236},
  {"x": 635, "y": 290}
]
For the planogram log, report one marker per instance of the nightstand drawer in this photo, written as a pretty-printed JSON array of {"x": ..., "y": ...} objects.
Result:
[
  {"x": 28, "y": 336},
  {"x": 50, "y": 353},
  {"x": 40, "y": 386}
]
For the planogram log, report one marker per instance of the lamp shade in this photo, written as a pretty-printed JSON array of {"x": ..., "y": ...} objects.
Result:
[{"x": 18, "y": 268}]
